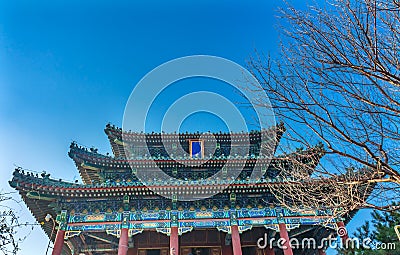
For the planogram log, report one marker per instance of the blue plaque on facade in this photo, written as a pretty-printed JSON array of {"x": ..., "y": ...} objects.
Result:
[{"x": 196, "y": 149}]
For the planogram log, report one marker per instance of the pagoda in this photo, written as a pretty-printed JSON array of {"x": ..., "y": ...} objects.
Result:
[{"x": 115, "y": 212}]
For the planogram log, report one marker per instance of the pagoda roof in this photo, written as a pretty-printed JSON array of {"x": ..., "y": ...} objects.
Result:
[
  {"x": 44, "y": 195},
  {"x": 38, "y": 207},
  {"x": 90, "y": 163},
  {"x": 41, "y": 193},
  {"x": 116, "y": 135},
  {"x": 51, "y": 189}
]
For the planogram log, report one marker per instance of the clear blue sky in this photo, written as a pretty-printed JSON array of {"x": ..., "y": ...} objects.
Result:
[{"x": 67, "y": 69}]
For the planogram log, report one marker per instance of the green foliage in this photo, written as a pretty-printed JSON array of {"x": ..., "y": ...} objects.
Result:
[{"x": 381, "y": 233}]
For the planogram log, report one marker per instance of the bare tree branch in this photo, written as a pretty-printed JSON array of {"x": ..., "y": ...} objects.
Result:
[{"x": 338, "y": 82}]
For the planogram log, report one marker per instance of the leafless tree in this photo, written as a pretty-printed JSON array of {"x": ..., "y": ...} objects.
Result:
[
  {"x": 337, "y": 81},
  {"x": 302, "y": 186},
  {"x": 10, "y": 226}
]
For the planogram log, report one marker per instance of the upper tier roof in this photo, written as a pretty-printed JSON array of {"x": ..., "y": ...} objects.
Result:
[{"x": 116, "y": 136}]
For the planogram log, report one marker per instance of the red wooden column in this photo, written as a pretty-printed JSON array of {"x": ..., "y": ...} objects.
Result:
[
  {"x": 284, "y": 234},
  {"x": 174, "y": 241},
  {"x": 237, "y": 247},
  {"x": 269, "y": 251},
  {"x": 342, "y": 231},
  {"x": 226, "y": 249},
  {"x": 321, "y": 252},
  {"x": 123, "y": 242},
  {"x": 59, "y": 242}
]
